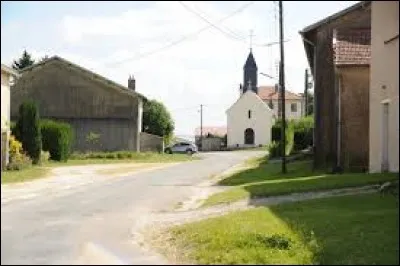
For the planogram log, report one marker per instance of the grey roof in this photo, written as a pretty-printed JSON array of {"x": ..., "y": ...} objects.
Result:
[{"x": 109, "y": 82}]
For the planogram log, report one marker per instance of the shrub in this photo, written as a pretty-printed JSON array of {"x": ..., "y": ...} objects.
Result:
[
  {"x": 57, "y": 139},
  {"x": 303, "y": 136},
  {"x": 28, "y": 130},
  {"x": 274, "y": 149},
  {"x": 18, "y": 159},
  {"x": 289, "y": 132}
]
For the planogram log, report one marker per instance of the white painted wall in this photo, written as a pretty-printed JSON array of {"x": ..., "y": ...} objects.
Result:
[
  {"x": 289, "y": 114},
  {"x": 261, "y": 120},
  {"x": 5, "y": 100},
  {"x": 384, "y": 83}
]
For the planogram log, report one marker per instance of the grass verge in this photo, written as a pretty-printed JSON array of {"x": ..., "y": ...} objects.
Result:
[
  {"x": 347, "y": 230},
  {"x": 40, "y": 171},
  {"x": 266, "y": 180}
]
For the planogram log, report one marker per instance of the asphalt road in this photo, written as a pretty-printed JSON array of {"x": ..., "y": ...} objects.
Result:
[{"x": 55, "y": 229}]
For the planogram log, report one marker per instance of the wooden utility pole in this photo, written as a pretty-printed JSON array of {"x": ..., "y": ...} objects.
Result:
[
  {"x": 282, "y": 87},
  {"x": 201, "y": 127},
  {"x": 305, "y": 92}
]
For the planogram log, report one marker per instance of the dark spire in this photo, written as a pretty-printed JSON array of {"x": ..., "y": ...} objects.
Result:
[{"x": 250, "y": 73}]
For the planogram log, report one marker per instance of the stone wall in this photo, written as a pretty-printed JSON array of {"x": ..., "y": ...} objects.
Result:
[
  {"x": 211, "y": 144},
  {"x": 149, "y": 142}
]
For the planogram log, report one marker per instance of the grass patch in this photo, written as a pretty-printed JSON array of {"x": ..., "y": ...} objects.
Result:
[
  {"x": 133, "y": 156},
  {"x": 26, "y": 174},
  {"x": 266, "y": 180},
  {"x": 360, "y": 229}
]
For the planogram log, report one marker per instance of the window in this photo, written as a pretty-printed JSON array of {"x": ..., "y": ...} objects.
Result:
[
  {"x": 293, "y": 107},
  {"x": 249, "y": 113}
]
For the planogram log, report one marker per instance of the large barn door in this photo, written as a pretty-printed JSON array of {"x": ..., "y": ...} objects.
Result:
[{"x": 249, "y": 136}]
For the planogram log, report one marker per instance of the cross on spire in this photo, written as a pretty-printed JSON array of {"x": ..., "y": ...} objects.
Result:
[{"x": 251, "y": 39}]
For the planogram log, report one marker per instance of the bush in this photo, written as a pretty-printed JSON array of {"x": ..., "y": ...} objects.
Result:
[
  {"x": 28, "y": 130},
  {"x": 274, "y": 149},
  {"x": 303, "y": 136},
  {"x": 289, "y": 132},
  {"x": 18, "y": 159},
  {"x": 57, "y": 139}
]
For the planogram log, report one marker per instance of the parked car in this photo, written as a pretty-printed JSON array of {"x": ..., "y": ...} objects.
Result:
[{"x": 182, "y": 147}]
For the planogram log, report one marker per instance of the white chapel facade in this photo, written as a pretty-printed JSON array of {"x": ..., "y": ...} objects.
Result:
[{"x": 249, "y": 119}]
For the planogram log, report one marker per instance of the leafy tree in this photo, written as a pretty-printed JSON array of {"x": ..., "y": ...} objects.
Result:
[
  {"x": 157, "y": 120},
  {"x": 28, "y": 130},
  {"x": 24, "y": 61}
]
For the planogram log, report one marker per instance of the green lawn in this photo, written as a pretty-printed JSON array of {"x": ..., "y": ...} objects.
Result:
[
  {"x": 360, "y": 229},
  {"x": 266, "y": 180},
  {"x": 35, "y": 172}
]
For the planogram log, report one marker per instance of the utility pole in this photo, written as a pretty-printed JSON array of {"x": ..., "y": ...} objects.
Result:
[
  {"x": 306, "y": 92},
  {"x": 282, "y": 86},
  {"x": 201, "y": 127}
]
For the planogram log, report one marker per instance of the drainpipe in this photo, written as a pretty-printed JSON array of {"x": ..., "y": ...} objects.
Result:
[
  {"x": 339, "y": 122},
  {"x": 315, "y": 94}
]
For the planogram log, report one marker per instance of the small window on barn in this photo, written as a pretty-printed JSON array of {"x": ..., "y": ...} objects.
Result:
[
  {"x": 249, "y": 113},
  {"x": 293, "y": 107}
]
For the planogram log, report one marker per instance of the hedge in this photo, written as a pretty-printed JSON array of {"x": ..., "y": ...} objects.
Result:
[
  {"x": 57, "y": 138},
  {"x": 27, "y": 130}
]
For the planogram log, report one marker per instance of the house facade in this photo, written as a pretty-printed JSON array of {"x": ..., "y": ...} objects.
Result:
[
  {"x": 92, "y": 104},
  {"x": 7, "y": 76},
  {"x": 384, "y": 87},
  {"x": 340, "y": 89},
  {"x": 294, "y": 103}
]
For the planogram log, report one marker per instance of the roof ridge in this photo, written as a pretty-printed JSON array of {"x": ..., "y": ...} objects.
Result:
[{"x": 65, "y": 61}]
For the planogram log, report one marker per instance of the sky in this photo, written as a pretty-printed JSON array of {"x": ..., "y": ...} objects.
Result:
[{"x": 183, "y": 54}]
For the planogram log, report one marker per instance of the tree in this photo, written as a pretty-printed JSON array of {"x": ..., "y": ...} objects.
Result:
[
  {"x": 157, "y": 120},
  {"x": 24, "y": 61},
  {"x": 28, "y": 130}
]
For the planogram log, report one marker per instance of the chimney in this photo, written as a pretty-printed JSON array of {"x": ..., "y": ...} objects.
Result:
[{"x": 131, "y": 83}]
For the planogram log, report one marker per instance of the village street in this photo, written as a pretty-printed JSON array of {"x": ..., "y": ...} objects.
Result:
[{"x": 95, "y": 220}]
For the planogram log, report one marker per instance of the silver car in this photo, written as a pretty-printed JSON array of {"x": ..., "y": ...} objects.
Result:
[{"x": 182, "y": 147}]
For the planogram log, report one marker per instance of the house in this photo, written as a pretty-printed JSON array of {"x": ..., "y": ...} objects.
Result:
[
  {"x": 7, "y": 76},
  {"x": 92, "y": 104},
  {"x": 294, "y": 103},
  {"x": 338, "y": 52},
  {"x": 249, "y": 119},
  {"x": 384, "y": 87}
]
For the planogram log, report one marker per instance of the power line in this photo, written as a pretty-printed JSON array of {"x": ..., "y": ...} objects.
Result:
[
  {"x": 231, "y": 34},
  {"x": 140, "y": 56}
]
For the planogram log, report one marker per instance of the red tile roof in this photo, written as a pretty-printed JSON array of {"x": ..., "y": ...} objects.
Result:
[
  {"x": 353, "y": 47},
  {"x": 217, "y": 131},
  {"x": 268, "y": 93}
]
